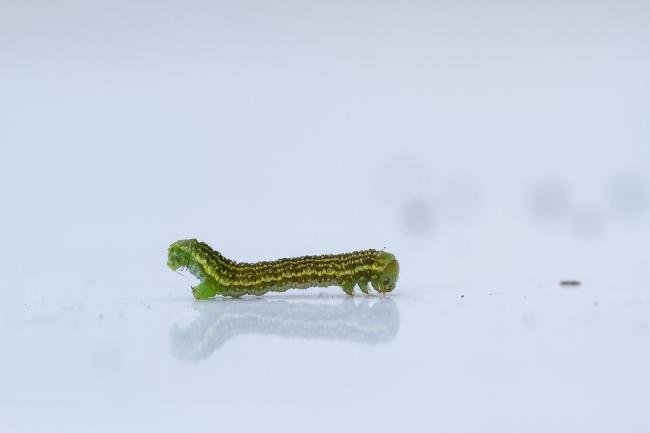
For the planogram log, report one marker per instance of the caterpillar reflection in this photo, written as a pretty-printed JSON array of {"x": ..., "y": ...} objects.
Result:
[
  {"x": 363, "y": 322},
  {"x": 221, "y": 276}
]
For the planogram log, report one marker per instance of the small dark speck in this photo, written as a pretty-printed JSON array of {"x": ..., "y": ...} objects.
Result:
[
  {"x": 462, "y": 296},
  {"x": 100, "y": 316},
  {"x": 570, "y": 283}
]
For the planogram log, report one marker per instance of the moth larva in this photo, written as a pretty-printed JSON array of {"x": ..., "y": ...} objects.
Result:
[{"x": 221, "y": 276}]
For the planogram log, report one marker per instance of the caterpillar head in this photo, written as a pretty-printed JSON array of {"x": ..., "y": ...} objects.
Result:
[
  {"x": 387, "y": 272},
  {"x": 179, "y": 254}
]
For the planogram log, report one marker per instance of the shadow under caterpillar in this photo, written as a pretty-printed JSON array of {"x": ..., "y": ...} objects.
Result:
[
  {"x": 363, "y": 322},
  {"x": 219, "y": 275}
]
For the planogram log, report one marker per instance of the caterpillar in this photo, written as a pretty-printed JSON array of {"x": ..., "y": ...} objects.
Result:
[{"x": 219, "y": 275}]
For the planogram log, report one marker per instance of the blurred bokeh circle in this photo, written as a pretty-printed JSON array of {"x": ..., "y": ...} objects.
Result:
[
  {"x": 628, "y": 194},
  {"x": 550, "y": 200}
]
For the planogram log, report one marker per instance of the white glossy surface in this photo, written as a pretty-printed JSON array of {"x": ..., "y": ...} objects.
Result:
[{"x": 543, "y": 359}]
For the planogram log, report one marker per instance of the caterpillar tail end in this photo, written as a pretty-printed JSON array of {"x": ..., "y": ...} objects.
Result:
[{"x": 388, "y": 272}]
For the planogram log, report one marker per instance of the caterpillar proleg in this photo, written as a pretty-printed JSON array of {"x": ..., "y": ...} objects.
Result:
[{"x": 221, "y": 276}]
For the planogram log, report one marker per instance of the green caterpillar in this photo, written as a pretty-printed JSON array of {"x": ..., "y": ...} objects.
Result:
[{"x": 221, "y": 276}]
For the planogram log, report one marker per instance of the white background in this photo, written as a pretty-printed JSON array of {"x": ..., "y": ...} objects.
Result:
[{"x": 496, "y": 148}]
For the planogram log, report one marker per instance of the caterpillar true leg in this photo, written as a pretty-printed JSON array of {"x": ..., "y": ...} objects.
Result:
[
  {"x": 206, "y": 289},
  {"x": 221, "y": 276}
]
